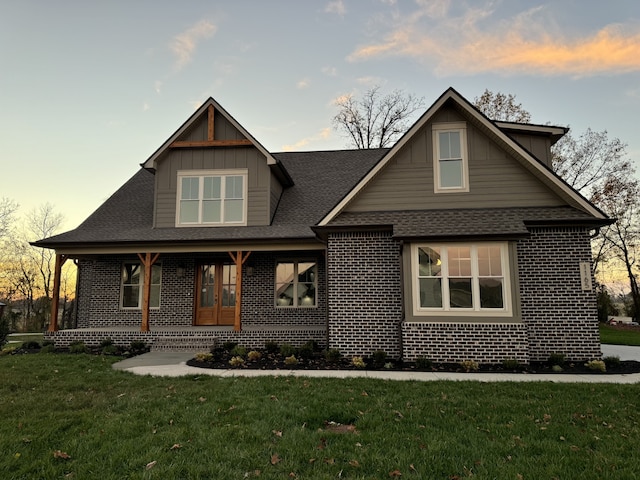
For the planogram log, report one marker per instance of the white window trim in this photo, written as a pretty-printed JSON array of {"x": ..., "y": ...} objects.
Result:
[
  {"x": 460, "y": 127},
  {"x": 445, "y": 310},
  {"x": 141, "y": 285},
  {"x": 212, "y": 173},
  {"x": 296, "y": 262}
]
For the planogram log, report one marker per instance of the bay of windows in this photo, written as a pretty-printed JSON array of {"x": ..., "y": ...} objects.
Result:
[
  {"x": 132, "y": 285},
  {"x": 461, "y": 278},
  {"x": 212, "y": 198}
]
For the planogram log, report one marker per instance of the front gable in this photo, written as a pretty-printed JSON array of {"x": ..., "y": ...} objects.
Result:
[{"x": 213, "y": 145}]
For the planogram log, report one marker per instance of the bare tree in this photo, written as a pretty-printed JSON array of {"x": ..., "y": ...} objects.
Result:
[
  {"x": 8, "y": 209},
  {"x": 375, "y": 121},
  {"x": 498, "y": 106}
]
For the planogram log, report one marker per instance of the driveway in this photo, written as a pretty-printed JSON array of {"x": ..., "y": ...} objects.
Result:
[{"x": 625, "y": 352}]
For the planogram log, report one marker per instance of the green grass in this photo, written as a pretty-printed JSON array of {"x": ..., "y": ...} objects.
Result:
[
  {"x": 615, "y": 336},
  {"x": 113, "y": 424}
]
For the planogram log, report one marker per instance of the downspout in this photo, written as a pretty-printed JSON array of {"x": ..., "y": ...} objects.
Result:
[{"x": 402, "y": 299}]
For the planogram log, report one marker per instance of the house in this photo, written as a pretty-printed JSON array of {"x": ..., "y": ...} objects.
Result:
[{"x": 457, "y": 243}]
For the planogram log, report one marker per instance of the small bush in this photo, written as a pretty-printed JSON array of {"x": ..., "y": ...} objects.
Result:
[
  {"x": 423, "y": 363},
  {"x": 271, "y": 347},
  {"x": 286, "y": 350},
  {"x": 291, "y": 360},
  {"x": 204, "y": 356},
  {"x": 7, "y": 351},
  {"x": 612, "y": 362},
  {"x": 469, "y": 365},
  {"x": 333, "y": 355},
  {"x": 110, "y": 350},
  {"x": 379, "y": 358},
  {"x": 239, "y": 351},
  {"x": 556, "y": 358},
  {"x": 596, "y": 365},
  {"x": 557, "y": 368},
  {"x": 48, "y": 349},
  {"x": 312, "y": 344},
  {"x": 46, "y": 343},
  {"x": 107, "y": 342},
  {"x": 4, "y": 332},
  {"x": 358, "y": 362},
  {"x": 305, "y": 351},
  {"x": 236, "y": 361},
  {"x": 77, "y": 347},
  {"x": 30, "y": 345},
  {"x": 254, "y": 355},
  {"x": 228, "y": 346},
  {"x": 138, "y": 346},
  {"x": 510, "y": 364}
]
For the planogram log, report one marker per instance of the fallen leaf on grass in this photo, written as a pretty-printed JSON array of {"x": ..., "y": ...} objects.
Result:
[
  {"x": 277, "y": 433},
  {"x": 395, "y": 473},
  {"x": 202, "y": 399},
  {"x": 329, "y": 461},
  {"x": 412, "y": 468},
  {"x": 354, "y": 463},
  {"x": 61, "y": 454},
  {"x": 275, "y": 459},
  {"x": 175, "y": 446},
  {"x": 150, "y": 465}
]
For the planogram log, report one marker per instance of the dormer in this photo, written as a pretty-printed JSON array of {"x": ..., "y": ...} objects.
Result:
[
  {"x": 536, "y": 139},
  {"x": 212, "y": 173}
]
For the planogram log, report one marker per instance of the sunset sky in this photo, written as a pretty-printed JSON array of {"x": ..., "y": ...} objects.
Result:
[{"x": 89, "y": 90}]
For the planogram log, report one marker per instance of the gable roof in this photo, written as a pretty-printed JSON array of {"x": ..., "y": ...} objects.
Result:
[{"x": 520, "y": 153}]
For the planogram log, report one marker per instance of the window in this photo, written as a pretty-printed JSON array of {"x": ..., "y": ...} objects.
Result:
[
  {"x": 450, "y": 158},
  {"x": 132, "y": 288},
  {"x": 212, "y": 198},
  {"x": 461, "y": 279},
  {"x": 296, "y": 284}
]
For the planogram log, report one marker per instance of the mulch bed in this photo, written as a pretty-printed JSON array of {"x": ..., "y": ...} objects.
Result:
[{"x": 274, "y": 361}]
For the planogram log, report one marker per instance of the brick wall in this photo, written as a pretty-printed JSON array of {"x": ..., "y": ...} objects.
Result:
[
  {"x": 365, "y": 299},
  {"x": 560, "y": 317}
]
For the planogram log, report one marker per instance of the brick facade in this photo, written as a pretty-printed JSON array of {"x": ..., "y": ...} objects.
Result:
[{"x": 365, "y": 297}]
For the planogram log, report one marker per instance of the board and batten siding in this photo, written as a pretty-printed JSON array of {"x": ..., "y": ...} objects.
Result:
[
  {"x": 495, "y": 178},
  {"x": 539, "y": 146},
  {"x": 258, "y": 179}
]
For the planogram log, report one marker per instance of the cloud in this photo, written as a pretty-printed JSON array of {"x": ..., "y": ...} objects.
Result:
[
  {"x": 146, "y": 107},
  {"x": 330, "y": 71},
  {"x": 323, "y": 134},
  {"x": 337, "y": 7},
  {"x": 302, "y": 84},
  {"x": 157, "y": 86},
  {"x": 184, "y": 44},
  {"x": 474, "y": 43}
]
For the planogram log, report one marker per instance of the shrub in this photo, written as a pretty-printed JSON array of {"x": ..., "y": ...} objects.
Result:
[
  {"x": 510, "y": 364},
  {"x": 557, "y": 368},
  {"x": 204, "y": 356},
  {"x": 107, "y": 342},
  {"x": 286, "y": 350},
  {"x": 77, "y": 347},
  {"x": 469, "y": 365},
  {"x": 423, "y": 363},
  {"x": 228, "y": 346},
  {"x": 312, "y": 344},
  {"x": 379, "y": 358},
  {"x": 7, "y": 351},
  {"x": 556, "y": 358},
  {"x": 358, "y": 362},
  {"x": 50, "y": 348},
  {"x": 596, "y": 365},
  {"x": 4, "y": 332},
  {"x": 110, "y": 350},
  {"x": 30, "y": 345},
  {"x": 271, "y": 347},
  {"x": 138, "y": 346},
  {"x": 305, "y": 351},
  {"x": 236, "y": 361},
  {"x": 254, "y": 355},
  {"x": 333, "y": 355},
  {"x": 291, "y": 360},
  {"x": 239, "y": 351},
  {"x": 611, "y": 362}
]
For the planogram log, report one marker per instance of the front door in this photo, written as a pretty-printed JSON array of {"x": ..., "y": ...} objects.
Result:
[{"x": 215, "y": 294}]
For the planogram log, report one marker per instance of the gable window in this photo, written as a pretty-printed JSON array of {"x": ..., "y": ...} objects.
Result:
[
  {"x": 450, "y": 158},
  {"x": 461, "y": 279},
  {"x": 296, "y": 284},
  {"x": 212, "y": 198},
  {"x": 132, "y": 285}
]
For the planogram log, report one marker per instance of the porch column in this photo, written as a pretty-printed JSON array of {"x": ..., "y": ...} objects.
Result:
[
  {"x": 55, "y": 300},
  {"x": 147, "y": 261},
  {"x": 239, "y": 260}
]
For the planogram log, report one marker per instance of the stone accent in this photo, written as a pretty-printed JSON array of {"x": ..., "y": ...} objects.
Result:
[
  {"x": 454, "y": 342},
  {"x": 365, "y": 298},
  {"x": 560, "y": 317}
]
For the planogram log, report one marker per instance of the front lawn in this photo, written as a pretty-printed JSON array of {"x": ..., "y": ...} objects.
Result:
[
  {"x": 619, "y": 334},
  {"x": 74, "y": 416}
]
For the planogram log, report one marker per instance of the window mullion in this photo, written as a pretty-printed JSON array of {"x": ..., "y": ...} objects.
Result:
[
  {"x": 475, "y": 279},
  {"x": 444, "y": 270},
  {"x": 223, "y": 190}
]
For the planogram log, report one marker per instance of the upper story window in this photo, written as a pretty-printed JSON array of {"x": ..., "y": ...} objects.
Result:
[
  {"x": 450, "y": 159},
  {"x": 132, "y": 282},
  {"x": 461, "y": 279},
  {"x": 212, "y": 197}
]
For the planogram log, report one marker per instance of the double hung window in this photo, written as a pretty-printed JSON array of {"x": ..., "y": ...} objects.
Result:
[
  {"x": 132, "y": 285},
  {"x": 212, "y": 198},
  {"x": 450, "y": 158},
  {"x": 296, "y": 284},
  {"x": 461, "y": 279}
]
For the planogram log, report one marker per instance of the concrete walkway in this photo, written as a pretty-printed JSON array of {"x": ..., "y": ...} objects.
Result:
[{"x": 173, "y": 364}]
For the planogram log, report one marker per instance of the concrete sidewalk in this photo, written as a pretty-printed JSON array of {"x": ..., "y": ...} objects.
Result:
[{"x": 173, "y": 364}]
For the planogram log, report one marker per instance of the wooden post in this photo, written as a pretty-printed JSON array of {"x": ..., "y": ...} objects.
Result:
[
  {"x": 239, "y": 260},
  {"x": 55, "y": 300},
  {"x": 210, "y": 125},
  {"x": 147, "y": 262}
]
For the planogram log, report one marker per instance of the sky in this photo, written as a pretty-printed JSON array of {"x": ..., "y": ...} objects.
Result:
[{"x": 89, "y": 90}]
